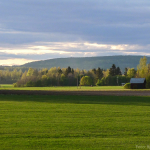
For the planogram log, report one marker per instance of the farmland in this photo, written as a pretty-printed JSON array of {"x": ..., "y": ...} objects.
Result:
[
  {"x": 62, "y": 88},
  {"x": 74, "y": 122},
  {"x": 73, "y": 90}
]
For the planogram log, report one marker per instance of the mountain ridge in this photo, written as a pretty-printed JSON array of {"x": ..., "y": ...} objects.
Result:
[{"x": 104, "y": 62}]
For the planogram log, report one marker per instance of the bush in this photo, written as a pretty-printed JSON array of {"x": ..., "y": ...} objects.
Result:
[
  {"x": 127, "y": 86},
  {"x": 15, "y": 84},
  {"x": 100, "y": 82},
  {"x": 86, "y": 80}
]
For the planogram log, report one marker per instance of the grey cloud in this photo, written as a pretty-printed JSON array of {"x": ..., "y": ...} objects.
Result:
[
  {"x": 75, "y": 53},
  {"x": 4, "y": 56},
  {"x": 106, "y": 22}
]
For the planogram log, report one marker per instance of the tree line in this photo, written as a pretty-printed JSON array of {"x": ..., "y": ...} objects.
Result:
[
  {"x": 71, "y": 77},
  {"x": 23, "y": 76},
  {"x": 9, "y": 75}
]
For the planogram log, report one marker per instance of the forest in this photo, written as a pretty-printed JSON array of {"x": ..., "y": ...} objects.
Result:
[{"x": 31, "y": 77}]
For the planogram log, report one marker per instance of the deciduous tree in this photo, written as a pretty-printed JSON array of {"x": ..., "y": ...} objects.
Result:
[
  {"x": 131, "y": 72},
  {"x": 142, "y": 68}
]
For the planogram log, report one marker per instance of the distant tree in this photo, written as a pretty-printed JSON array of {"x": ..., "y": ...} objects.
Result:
[
  {"x": 53, "y": 70},
  {"x": 118, "y": 71},
  {"x": 112, "y": 70},
  {"x": 92, "y": 75},
  {"x": 24, "y": 75},
  {"x": 35, "y": 73},
  {"x": 59, "y": 71},
  {"x": 86, "y": 80},
  {"x": 44, "y": 80},
  {"x": 32, "y": 72},
  {"x": 72, "y": 71},
  {"x": 77, "y": 70},
  {"x": 99, "y": 73},
  {"x": 100, "y": 82},
  {"x": 68, "y": 70},
  {"x": 142, "y": 68},
  {"x": 131, "y": 72},
  {"x": 71, "y": 79},
  {"x": 106, "y": 73},
  {"x": 44, "y": 71},
  {"x": 63, "y": 80},
  {"x": 83, "y": 72},
  {"x": 94, "y": 70},
  {"x": 125, "y": 73}
]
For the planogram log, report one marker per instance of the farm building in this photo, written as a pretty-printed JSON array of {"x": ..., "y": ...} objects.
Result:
[{"x": 138, "y": 83}]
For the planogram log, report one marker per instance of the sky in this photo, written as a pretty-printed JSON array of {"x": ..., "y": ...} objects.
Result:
[{"x": 32, "y": 30}]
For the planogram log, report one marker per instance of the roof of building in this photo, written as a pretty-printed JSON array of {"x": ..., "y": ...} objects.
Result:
[{"x": 137, "y": 80}]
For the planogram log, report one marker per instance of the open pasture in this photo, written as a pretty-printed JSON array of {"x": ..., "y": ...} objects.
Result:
[
  {"x": 62, "y": 88},
  {"x": 70, "y": 88},
  {"x": 74, "y": 122}
]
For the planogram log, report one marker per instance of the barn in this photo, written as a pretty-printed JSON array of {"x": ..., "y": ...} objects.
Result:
[{"x": 138, "y": 83}]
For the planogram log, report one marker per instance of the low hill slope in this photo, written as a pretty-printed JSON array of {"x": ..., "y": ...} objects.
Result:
[{"x": 88, "y": 63}]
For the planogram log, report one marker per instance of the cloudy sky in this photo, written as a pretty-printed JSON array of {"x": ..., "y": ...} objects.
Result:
[{"x": 44, "y": 29}]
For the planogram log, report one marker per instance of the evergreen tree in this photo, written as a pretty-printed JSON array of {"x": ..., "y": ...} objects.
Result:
[
  {"x": 126, "y": 70},
  {"x": 118, "y": 71},
  {"x": 68, "y": 70},
  {"x": 112, "y": 70},
  {"x": 94, "y": 70},
  {"x": 59, "y": 71},
  {"x": 72, "y": 71},
  {"x": 99, "y": 73}
]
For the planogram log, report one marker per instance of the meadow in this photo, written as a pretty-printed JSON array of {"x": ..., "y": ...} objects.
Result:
[
  {"x": 70, "y": 88},
  {"x": 62, "y": 88},
  {"x": 74, "y": 122}
]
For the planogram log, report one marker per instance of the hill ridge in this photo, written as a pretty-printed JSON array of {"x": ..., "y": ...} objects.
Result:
[{"x": 88, "y": 63}]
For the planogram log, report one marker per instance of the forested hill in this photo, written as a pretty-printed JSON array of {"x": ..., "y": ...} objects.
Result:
[{"x": 88, "y": 63}]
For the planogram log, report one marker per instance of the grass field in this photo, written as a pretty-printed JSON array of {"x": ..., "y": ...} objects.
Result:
[
  {"x": 74, "y": 122},
  {"x": 70, "y": 88},
  {"x": 64, "y": 88}
]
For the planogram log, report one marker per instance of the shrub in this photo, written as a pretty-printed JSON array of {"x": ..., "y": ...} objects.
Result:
[
  {"x": 15, "y": 84},
  {"x": 127, "y": 86},
  {"x": 86, "y": 80},
  {"x": 100, "y": 82}
]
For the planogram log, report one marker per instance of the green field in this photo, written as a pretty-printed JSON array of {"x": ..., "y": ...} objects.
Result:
[
  {"x": 62, "y": 88},
  {"x": 74, "y": 122},
  {"x": 69, "y": 88}
]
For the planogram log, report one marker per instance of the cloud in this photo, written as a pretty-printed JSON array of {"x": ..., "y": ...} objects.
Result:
[
  {"x": 43, "y": 29},
  {"x": 49, "y": 50},
  {"x": 97, "y": 21},
  {"x": 10, "y": 62}
]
